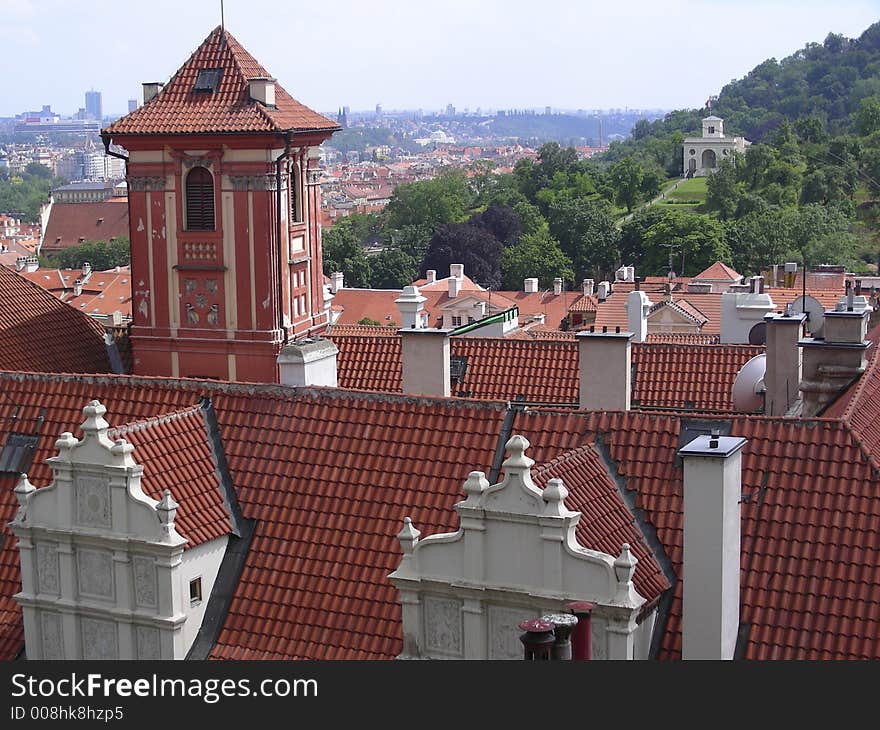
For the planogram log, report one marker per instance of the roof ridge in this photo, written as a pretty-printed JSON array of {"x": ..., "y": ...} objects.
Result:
[{"x": 145, "y": 423}]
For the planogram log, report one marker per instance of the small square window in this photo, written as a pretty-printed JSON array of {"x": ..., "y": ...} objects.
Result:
[
  {"x": 207, "y": 80},
  {"x": 456, "y": 321},
  {"x": 195, "y": 591}
]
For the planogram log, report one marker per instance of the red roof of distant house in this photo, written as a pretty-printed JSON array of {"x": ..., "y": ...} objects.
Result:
[
  {"x": 40, "y": 333},
  {"x": 179, "y": 109},
  {"x": 719, "y": 271},
  {"x": 687, "y": 377},
  {"x": 103, "y": 293},
  {"x": 71, "y": 224},
  {"x": 175, "y": 451}
]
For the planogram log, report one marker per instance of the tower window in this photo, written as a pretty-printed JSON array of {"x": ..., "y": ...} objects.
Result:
[
  {"x": 295, "y": 202},
  {"x": 199, "y": 200},
  {"x": 207, "y": 80},
  {"x": 195, "y": 591}
]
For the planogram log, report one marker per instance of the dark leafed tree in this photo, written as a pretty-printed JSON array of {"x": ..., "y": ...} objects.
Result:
[
  {"x": 463, "y": 243},
  {"x": 501, "y": 221}
]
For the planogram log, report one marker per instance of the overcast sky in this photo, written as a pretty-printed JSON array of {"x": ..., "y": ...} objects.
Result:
[{"x": 408, "y": 54}]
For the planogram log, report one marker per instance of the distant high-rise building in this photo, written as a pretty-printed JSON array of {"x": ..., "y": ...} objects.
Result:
[
  {"x": 547, "y": 110},
  {"x": 450, "y": 110},
  {"x": 132, "y": 105},
  {"x": 378, "y": 110},
  {"x": 93, "y": 105}
]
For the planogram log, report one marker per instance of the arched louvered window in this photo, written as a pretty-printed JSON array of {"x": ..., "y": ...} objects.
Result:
[
  {"x": 295, "y": 202},
  {"x": 199, "y": 200}
]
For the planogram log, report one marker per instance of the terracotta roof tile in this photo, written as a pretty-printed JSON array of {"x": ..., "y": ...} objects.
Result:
[
  {"x": 178, "y": 109},
  {"x": 40, "y": 333},
  {"x": 719, "y": 271},
  {"x": 70, "y": 224},
  {"x": 176, "y": 454}
]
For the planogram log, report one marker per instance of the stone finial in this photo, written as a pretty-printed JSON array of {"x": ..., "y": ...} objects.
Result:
[
  {"x": 408, "y": 536},
  {"x": 625, "y": 565},
  {"x": 23, "y": 491},
  {"x": 167, "y": 511},
  {"x": 517, "y": 461},
  {"x": 554, "y": 495},
  {"x": 474, "y": 487},
  {"x": 95, "y": 425},
  {"x": 66, "y": 442},
  {"x": 122, "y": 453}
]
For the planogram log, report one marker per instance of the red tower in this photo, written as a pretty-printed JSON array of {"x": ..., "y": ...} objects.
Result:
[{"x": 223, "y": 207}]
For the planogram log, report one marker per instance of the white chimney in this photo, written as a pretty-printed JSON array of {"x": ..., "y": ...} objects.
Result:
[
  {"x": 711, "y": 568},
  {"x": 151, "y": 88},
  {"x": 454, "y": 287},
  {"x": 784, "y": 362},
  {"x": 31, "y": 264},
  {"x": 308, "y": 362},
  {"x": 262, "y": 89},
  {"x": 557, "y": 286},
  {"x": 604, "y": 369},
  {"x": 337, "y": 281},
  {"x": 588, "y": 286},
  {"x": 625, "y": 273},
  {"x": 530, "y": 286},
  {"x": 456, "y": 271},
  {"x": 77, "y": 287},
  {"x": 741, "y": 311},
  {"x": 86, "y": 268},
  {"x": 431, "y": 276},
  {"x": 637, "y": 307},
  {"x": 603, "y": 290},
  {"x": 425, "y": 361},
  {"x": 410, "y": 304}
]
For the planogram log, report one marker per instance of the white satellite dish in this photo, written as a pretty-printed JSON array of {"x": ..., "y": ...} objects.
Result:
[
  {"x": 748, "y": 388},
  {"x": 816, "y": 312}
]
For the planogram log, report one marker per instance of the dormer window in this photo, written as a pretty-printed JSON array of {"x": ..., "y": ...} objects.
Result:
[{"x": 207, "y": 80}]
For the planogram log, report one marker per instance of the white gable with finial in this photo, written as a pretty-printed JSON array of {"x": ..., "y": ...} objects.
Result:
[{"x": 514, "y": 557}]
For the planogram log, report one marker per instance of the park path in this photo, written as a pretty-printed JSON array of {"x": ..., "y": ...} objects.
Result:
[{"x": 660, "y": 196}]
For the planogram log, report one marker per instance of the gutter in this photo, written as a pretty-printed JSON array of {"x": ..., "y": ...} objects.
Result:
[{"x": 288, "y": 137}]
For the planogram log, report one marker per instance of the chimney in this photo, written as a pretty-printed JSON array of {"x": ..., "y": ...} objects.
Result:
[
  {"x": 308, "y": 362},
  {"x": 31, "y": 264},
  {"x": 151, "y": 89},
  {"x": 410, "y": 304},
  {"x": 582, "y": 638},
  {"x": 711, "y": 568},
  {"x": 337, "y": 281},
  {"x": 832, "y": 362},
  {"x": 783, "y": 374},
  {"x": 603, "y": 290},
  {"x": 454, "y": 287},
  {"x": 557, "y": 286},
  {"x": 588, "y": 285},
  {"x": 456, "y": 271},
  {"x": 742, "y": 308},
  {"x": 530, "y": 286},
  {"x": 790, "y": 272},
  {"x": 605, "y": 369},
  {"x": 77, "y": 287},
  {"x": 86, "y": 268},
  {"x": 637, "y": 307},
  {"x": 699, "y": 287},
  {"x": 262, "y": 89},
  {"x": 431, "y": 276},
  {"x": 425, "y": 357}
]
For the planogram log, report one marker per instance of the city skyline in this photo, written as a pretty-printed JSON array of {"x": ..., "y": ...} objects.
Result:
[{"x": 661, "y": 57}]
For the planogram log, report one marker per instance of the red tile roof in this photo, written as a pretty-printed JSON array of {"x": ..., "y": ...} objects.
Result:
[
  {"x": 70, "y": 224},
  {"x": 719, "y": 271},
  {"x": 40, "y": 333},
  {"x": 11, "y": 627},
  {"x": 178, "y": 109},
  {"x": 175, "y": 451},
  {"x": 810, "y": 515},
  {"x": 546, "y": 371}
]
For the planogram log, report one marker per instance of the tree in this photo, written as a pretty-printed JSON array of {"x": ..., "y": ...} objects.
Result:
[
  {"x": 100, "y": 254},
  {"x": 627, "y": 177},
  {"x": 586, "y": 233},
  {"x": 632, "y": 237},
  {"x": 501, "y": 221},
  {"x": 463, "y": 243},
  {"x": 343, "y": 253},
  {"x": 697, "y": 241},
  {"x": 392, "y": 269},
  {"x": 868, "y": 116},
  {"x": 535, "y": 255},
  {"x": 723, "y": 190},
  {"x": 431, "y": 203}
]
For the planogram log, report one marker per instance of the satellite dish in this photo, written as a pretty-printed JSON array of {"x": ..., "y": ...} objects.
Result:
[
  {"x": 815, "y": 312},
  {"x": 758, "y": 334},
  {"x": 748, "y": 388}
]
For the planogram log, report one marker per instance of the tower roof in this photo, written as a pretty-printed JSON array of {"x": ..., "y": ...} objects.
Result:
[{"x": 180, "y": 109}]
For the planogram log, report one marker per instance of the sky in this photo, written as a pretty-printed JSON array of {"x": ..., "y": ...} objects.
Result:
[{"x": 411, "y": 54}]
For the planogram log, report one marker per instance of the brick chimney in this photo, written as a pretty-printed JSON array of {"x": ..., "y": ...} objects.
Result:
[
  {"x": 637, "y": 307},
  {"x": 530, "y": 286},
  {"x": 711, "y": 568},
  {"x": 783, "y": 375},
  {"x": 604, "y": 365},
  {"x": 308, "y": 362}
]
